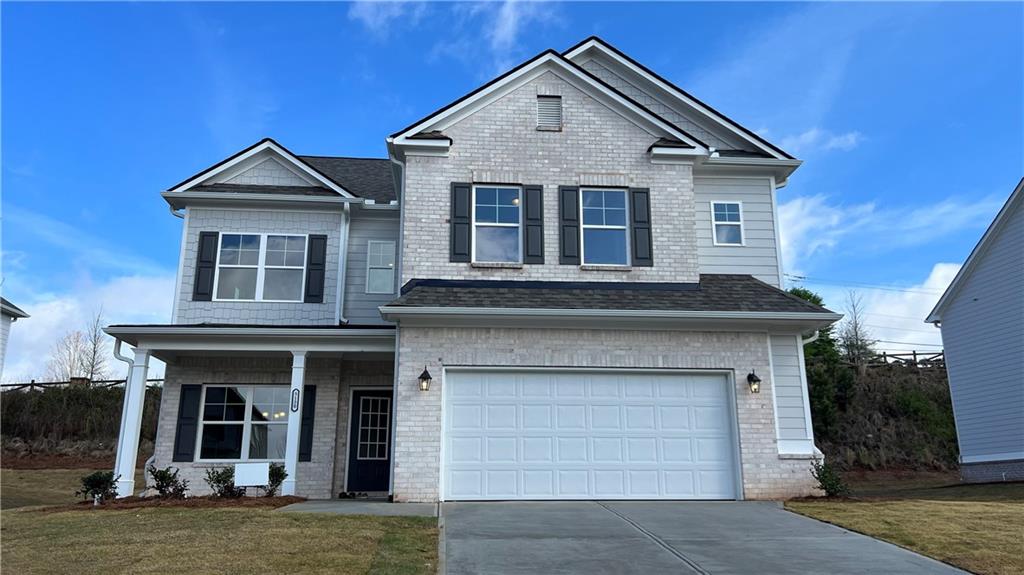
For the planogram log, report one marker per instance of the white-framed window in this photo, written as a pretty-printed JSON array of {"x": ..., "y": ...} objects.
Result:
[
  {"x": 605, "y": 233},
  {"x": 727, "y": 223},
  {"x": 372, "y": 442},
  {"x": 243, "y": 423},
  {"x": 380, "y": 267},
  {"x": 497, "y": 224},
  {"x": 261, "y": 267}
]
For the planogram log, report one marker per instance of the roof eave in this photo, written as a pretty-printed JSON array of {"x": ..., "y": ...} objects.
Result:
[{"x": 178, "y": 200}]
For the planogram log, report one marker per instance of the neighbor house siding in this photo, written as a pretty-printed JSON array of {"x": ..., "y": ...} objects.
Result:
[
  {"x": 361, "y": 307},
  {"x": 983, "y": 334},
  {"x": 259, "y": 221},
  {"x": 758, "y": 256},
  {"x": 501, "y": 143},
  {"x": 789, "y": 388},
  {"x": 5, "y": 332}
]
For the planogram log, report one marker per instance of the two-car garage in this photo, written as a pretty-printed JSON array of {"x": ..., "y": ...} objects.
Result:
[{"x": 613, "y": 434}]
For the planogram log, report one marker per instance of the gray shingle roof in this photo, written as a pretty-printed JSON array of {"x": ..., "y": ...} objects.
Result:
[
  {"x": 259, "y": 189},
  {"x": 10, "y": 309},
  {"x": 715, "y": 292},
  {"x": 364, "y": 177}
]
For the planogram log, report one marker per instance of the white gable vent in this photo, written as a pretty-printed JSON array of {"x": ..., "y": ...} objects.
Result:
[{"x": 549, "y": 113}]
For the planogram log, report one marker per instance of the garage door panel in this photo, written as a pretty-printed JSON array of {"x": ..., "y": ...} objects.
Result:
[{"x": 587, "y": 435}]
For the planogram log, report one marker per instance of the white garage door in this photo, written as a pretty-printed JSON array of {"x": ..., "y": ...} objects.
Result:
[{"x": 602, "y": 435}]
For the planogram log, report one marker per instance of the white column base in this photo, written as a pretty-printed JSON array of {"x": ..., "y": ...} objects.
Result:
[{"x": 288, "y": 487}]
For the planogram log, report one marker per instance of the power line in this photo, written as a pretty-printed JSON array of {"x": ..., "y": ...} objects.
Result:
[
  {"x": 899, "y": 328},
  {"x": 908, "y": 343},
  {"x": 811, "y": 280}
]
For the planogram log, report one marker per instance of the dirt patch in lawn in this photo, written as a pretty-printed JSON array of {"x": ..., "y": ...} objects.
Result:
[{"x": 193, "y": 502}]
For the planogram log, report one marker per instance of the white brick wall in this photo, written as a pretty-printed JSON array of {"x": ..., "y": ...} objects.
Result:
[
  {"x": 258, "y": 221},
  {"x": 418, "y": 426},
  {"x": 501, "y": 143}
]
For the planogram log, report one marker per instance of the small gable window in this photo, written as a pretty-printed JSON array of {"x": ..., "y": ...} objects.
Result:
[
  {"x": 549, "y": 113},
  {"x": 727, "y": 220},
  {"x": 496, "y": 225},
  {"x": 380, "y": 267},
  {"x": 605, "y": 236}
]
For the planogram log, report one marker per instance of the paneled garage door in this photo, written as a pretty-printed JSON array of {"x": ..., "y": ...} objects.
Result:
[{"x": 587, "y": 435}]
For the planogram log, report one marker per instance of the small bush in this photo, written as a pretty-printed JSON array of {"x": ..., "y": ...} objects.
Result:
[
  {"x": 828, "y": 478},
  {"x": 222, "y": 482},
  {"x": 167, "y": 483},
  {"x": 276, "y": 478},
  {"x": 100, "y": 485}
]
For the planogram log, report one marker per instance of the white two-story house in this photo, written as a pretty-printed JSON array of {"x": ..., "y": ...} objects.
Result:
[{"x": 563, "y": 285}]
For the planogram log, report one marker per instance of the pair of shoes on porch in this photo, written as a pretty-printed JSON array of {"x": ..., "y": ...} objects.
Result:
[{"x": 352, "y": 495}]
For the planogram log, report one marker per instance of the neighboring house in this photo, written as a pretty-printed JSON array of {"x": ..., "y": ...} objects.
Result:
[
  {"x": 982, "y": 320},
  {"x": 582, "y": 257},
  {"x": 9, "y": 313}
]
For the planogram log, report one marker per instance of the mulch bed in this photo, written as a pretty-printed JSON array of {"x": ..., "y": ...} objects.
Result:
[{"x": 197, "y": 502}]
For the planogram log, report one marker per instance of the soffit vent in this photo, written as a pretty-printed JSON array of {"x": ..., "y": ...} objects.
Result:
[{"x": 549, "y": 113}]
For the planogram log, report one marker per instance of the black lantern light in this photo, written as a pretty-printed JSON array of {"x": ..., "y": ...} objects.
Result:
[
  {"x": 754, "y": 382},
  {"x": 425, "y": 380}
]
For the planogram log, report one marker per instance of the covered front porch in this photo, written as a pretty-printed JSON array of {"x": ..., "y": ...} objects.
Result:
[{"x": 298, "y": 396}]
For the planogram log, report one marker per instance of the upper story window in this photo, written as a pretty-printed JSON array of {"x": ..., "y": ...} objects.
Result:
[
  {"x": 605, "y": 235},
  {"x": 244, "y": 422},
  {"x": 260, "y": 267},
  {"x": 727, "y": 220},
  {"x": 497, "y": 229},
  {"x": 549, "y": 113},
  {"x": 380, "y": 267}
]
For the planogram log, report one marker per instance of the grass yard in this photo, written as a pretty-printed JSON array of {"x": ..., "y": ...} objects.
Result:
[
  {"x": 975, "y": 527},
  {"x": 202, "y": 540}
]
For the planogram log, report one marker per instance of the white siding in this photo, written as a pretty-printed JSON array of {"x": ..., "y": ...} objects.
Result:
[
  {"x": 789, "y": 388},
  {"x": 5, "y": 330},
  {"x": 983, "y": 333},
  {"x": 758, "y": 256},
  {"x": 361, "y": 307},
  {"x": 269, "y": 172}
]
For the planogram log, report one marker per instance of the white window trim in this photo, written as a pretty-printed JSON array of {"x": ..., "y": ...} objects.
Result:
[
  {"x": 369, "y": 267},
  {"x": 246, "y": 424},
  {"x": 261, "y": 267},
  {"x": 583, "y": 249},
  {"x": 714, "y": 236},
  {"x": 472, "y": 220}
]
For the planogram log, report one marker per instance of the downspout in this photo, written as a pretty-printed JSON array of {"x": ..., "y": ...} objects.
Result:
[
  {"x": 814, "y": 337},
  {"x": 400, "y": 195},
  {"x": 343, "y": 232},
  {"x": 175, "y": 213}
]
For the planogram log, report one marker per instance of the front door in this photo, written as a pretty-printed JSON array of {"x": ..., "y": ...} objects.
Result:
[{"x": 369, "y": 450}]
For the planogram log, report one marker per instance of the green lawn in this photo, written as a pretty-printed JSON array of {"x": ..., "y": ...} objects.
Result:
[
  {"x": 203, "y": 540},
  {"x": 975, "y": 527}
]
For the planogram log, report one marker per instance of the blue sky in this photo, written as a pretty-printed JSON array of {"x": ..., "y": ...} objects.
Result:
[{"x": 908, "y": 117}]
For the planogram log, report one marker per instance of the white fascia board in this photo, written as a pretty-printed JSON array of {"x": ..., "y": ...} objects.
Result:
[
  {"x": 181, "y": 199},
  {"x": 256, "y": 150},
  {"x": 547, "y": 62},
  {"x": 779, "y": 169},
  {"x": 982, "y": 246},
  {"x": 241, "y": 339},
  {"x": 671, "y": 90}
]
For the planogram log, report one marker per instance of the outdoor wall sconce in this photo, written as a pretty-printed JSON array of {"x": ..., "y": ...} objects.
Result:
[
  {"x": 754, "y": 382},
  {"x": 425, "y": 380}
]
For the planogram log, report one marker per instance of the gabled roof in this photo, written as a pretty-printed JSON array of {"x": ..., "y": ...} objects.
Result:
[
  {"x": 369, "y": 178},
  {"x": 994, "y": 229},
  {"x": 685, "y": 97},
  {"x": 549, "y": 59},
  {"x": 10, "y": 309}
]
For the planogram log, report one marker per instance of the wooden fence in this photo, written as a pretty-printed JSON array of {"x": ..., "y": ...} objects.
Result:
[{"x": 33, "y": 385}]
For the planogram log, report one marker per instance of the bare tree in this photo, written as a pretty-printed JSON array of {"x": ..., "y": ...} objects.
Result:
[
  {"x": 80, "y": 353},
  {"x": 855, "y": 340},
  {"x": 97, "y": 347}
]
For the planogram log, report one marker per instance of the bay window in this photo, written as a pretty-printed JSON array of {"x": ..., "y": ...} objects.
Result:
[
  {"x": 497, "y": 226},
  {"x": 261, "y": 267},
  {"x": 244, "y": 422},
  {"x": 605, "y": 229}
]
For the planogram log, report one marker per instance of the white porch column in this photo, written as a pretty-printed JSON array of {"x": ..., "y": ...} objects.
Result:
[
  {"x": 131, "y": 424},
  {"x": 291, "y": 455}
]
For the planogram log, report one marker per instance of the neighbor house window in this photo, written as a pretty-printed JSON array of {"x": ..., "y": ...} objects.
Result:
[
  {"x": 261, "y": 267},
  {"x": 496, "y": 229},
  {"x": 244, "y": 422},
  {"x": 380, "y": 267},
  {"x": 605, "y": 235},
  {"x": 727, "y": 219}
]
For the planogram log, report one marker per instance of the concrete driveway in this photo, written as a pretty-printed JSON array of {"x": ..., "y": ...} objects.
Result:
[{"x": 618, "y": 537}]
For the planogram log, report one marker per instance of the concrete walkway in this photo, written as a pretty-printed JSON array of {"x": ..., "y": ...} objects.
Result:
[
  {"x": 620, "y": 537},
  {"x": 362, "y": 507}
]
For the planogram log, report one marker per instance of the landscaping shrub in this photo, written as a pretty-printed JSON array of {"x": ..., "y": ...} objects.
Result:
[
  {"x": 222, "y": 482},
  {"x": 828, "y": 478},
  {"x": 100, "y": 485},
  {"x": 276, "y": 478},
  {"x": 167, "y": 483}
]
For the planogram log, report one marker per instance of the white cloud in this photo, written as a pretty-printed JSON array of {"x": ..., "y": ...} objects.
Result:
[
  {"x": 123, "y": 299},
  {"x": 817, "y": 139},
  {"x": 379, "y": 16},
  {"x": 812, "y": 225}
]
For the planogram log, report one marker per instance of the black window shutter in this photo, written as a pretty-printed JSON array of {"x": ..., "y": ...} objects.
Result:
[
  {"x": 188, "y": 423},
  {"x": 533, "y": 225},
  {"x": 206, "y": 264},
  {"x": 569, "y": 225},
  {"x": 640, "y": 226},
  {"x": 306, "y": 427},
  {"x": 316, "y": 268},
  {"x": 461, "y": 238}
]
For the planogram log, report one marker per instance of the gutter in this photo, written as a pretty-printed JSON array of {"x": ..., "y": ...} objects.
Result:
[
  {"x": 814, "y": 337},
  {"x": 178, "y": 199},
  {"x": 117, "y": 331}
]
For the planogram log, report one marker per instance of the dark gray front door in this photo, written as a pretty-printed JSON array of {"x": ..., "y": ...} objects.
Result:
[{"x": 369, "y": 450}]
